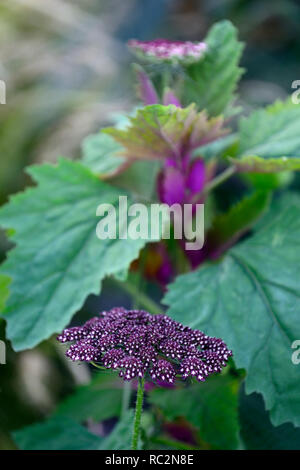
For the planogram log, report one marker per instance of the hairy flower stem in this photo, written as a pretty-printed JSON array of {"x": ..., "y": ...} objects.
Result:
[
  {"x": 138, "y": 414},
  {"x": 225, "y": 175}
]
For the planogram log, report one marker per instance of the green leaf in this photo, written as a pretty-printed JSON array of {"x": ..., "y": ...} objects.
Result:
[
  {"x": 62, "y": 433},
  {"x": 212, "y": 81},
  {"x": 4, "y": 291},
  {"x": 101, "y": 153},
  {"x": 121, "y": 436},
  {"x": 269, "y": 181},
  {"x": 229, "y": 227},
  {"x": 270, "y": 139},
  {"x": 268, "y": 165},
  {"x": 158, "y": 131},
  {"x": 211, "y": 407},
  {"x": 139, "y": 179},
  {"x": 58, "y": 260},
  {"x": 58, "y": 433},
  {"x": 216, "y": 148},
  {"x": 257, "y": 431},
  {"x": 251, "y": 300},
  {"x": 99, "y": 400}
]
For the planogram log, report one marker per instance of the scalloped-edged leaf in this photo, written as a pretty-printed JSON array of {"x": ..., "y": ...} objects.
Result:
[
  {"x": 58, "y": 260},
  {"x": 211, "y": 407},
  {"x": 99, "y": 400},
  {"x": 257, "y": 164},
  {"x": 270, "y": 139},
  {"x": 211, "y": 82},
  {"x": 158, "y": 131},
  {"x": 251, "y": 299},
  {"x": 58, "y": 433},
  {"x": 101, "y": 153}
]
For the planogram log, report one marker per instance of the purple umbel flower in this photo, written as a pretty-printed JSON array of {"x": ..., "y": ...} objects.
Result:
[
  {"x": 138, "y": 344},
  {"x": 171, "y": 51}
]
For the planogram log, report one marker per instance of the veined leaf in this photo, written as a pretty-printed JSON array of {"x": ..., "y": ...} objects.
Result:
[
  {"x": 270, "y": 139},
  {"x": 158, "y": 131},
  {"x": 99, "y": 400},
  {"x": 101, "y": 153},
  {"x": 58, "y": 433},
  {"x": 58, "y": 260},
  {"x": 211, "y": 407},
  {"x": 251, "y": 300},
  {"x": 212, "y": 81}
]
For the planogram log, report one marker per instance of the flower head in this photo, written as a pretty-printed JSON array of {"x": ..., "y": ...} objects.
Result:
[
  {"x": 162, "y": 50},
  {"x": 138, "y": 344}
]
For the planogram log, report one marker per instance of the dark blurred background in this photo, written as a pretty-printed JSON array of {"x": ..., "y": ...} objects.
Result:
[{"x": 66, "y": 67}]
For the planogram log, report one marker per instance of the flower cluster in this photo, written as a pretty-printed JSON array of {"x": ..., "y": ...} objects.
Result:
[
  {"x": 138, "y": 343},
  {"x": 165, "y": 50}
]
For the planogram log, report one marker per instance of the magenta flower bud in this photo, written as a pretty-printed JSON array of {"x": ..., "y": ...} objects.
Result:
[
  {"x": 146, "y": 90},
  {"x": 169, "y": 97},
  {"x": 196, "y": 176},
  {"x": 171, "y": 186}
]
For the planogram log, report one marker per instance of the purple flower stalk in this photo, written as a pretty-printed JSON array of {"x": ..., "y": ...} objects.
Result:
[
  {"x": 171, "y": 51},
  {"x": 179, "y": 181},
  {"x": 139, "y": 344}
]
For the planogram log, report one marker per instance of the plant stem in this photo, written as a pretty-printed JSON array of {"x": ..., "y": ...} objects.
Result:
[
  {"x": 138, "y": 414},
  {"x": 141, "y": 298},
  {"x": 226, "y": 174},
  {"x": 98, "y": 367}
]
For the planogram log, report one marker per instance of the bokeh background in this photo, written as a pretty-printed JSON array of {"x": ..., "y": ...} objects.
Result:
[{"x": 67, "y": 71}]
